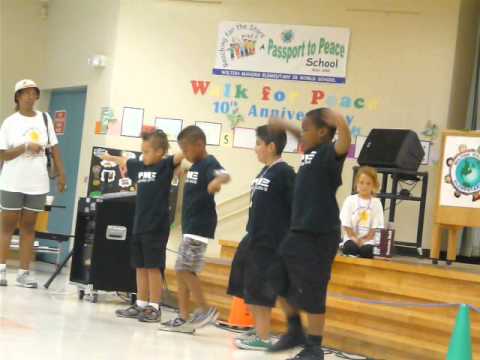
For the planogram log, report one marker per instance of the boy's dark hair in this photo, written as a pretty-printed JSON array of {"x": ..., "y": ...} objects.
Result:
[
  {"x": 158, "y": 139},
  {"x": 318, "y": 118},
  {"x": 191, "y": 134},
  {"x": 269, "y": 135}
]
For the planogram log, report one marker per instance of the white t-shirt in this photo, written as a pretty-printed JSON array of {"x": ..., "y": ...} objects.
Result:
[
  {"x": 27, "y": 173},
  {"x": 362, "y": 216}
]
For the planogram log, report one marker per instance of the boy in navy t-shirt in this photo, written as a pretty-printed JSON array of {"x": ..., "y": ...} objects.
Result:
[
  {"x": 268, "y": 223},
  {"x": 151, "y": 226},
  {"x": 199, "y": 221},
  {"x": 310, "y": 247}
]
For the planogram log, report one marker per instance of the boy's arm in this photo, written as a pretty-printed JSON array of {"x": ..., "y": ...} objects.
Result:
[
  {"x": 350, "y": 233},
  {"x": 221, "y": 178},
  {"x": 281, "y": 124},
  {"x": 121, "y": 161},
  {"x": 177, "y": 159},
  {"x": 342, "y": 145},
  {"x": 370, "y": 236}
]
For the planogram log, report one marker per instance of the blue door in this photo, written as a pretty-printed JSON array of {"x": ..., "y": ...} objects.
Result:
[{"x": 60, "y": 220}]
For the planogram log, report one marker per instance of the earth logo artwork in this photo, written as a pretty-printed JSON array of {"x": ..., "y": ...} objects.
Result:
[{"x": 464, "y": 172}]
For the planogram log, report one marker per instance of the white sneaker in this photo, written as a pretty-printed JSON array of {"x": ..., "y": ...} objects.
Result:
[
  {"x": 178, "y": 325},
  {"x": 203, "y": 319},
  {"x": 27, "y": 280},
  {"x": 3, "y": 278}
]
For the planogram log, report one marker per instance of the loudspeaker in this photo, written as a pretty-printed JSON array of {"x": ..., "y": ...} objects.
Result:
[{"x": 392, "y": 148}]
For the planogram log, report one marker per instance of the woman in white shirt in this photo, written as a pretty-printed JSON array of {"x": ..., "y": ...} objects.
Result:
[
  {"x": 24, "y": 180},
  {"x": 362, "y": 215}
]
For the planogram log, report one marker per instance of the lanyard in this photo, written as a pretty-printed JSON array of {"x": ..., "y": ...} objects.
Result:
[{"x": 253, "y": 188}]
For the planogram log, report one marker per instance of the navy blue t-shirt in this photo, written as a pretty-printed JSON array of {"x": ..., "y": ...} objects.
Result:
[
  {"x": 271, "y": 205},
  {"x": 199, "y": 214},
  {"x": 315, "y": 209},
  {"x": 153, "y": 193}
]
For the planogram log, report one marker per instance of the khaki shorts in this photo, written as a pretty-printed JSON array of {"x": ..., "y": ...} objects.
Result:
[{"x": 13, "y": 201}]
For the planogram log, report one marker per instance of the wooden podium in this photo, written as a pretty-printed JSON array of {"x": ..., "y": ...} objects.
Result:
[{"x": 458, "y": 194}]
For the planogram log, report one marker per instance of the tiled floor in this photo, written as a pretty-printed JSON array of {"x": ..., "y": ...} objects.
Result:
[{"x": 54, "y": 324}]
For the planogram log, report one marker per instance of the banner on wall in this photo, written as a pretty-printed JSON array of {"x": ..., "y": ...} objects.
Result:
[{"x": 282, "y": 52}]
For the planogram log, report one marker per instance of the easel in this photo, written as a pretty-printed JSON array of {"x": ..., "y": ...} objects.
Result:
[{"x": 453, "y": 214}]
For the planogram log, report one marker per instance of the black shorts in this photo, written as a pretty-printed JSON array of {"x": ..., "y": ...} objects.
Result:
[
  {"x": 148, "y": 251},
  {"x": 258, "y": 289},
  {"x": 249, "y": 275},
  {"x": 307, "y": 261},
  {"x": 236, "y": 282}
]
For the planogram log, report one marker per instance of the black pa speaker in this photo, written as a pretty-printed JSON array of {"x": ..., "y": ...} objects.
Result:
[{"x": 392, "y": 148}]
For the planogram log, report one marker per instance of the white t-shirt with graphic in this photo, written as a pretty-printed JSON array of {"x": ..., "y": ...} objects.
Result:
[
  {"x": 361, "y": 216},
  {"x": 27, "y": 173}
]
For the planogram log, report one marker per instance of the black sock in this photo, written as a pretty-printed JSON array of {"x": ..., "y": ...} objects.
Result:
[
  {"x": 314, "y": 340},
  {"x": 295, "y": 324}
]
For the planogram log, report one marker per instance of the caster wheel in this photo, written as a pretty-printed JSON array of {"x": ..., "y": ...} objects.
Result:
[
  {"x": 94, "y": 298},
  {"x": 435, "y": 262},
  {"x": 81, "y": 294}
]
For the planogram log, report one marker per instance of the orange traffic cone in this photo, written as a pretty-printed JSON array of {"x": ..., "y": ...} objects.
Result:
[{"x": 240, "y": 317}]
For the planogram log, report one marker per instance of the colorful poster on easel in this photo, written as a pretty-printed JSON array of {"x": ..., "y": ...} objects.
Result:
[
  {"x": 60, "y": 122},
  {"x": 460, "y": 180}
]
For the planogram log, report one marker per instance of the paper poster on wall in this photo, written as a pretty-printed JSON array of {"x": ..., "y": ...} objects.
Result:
[
  {"x": 282, "y": 52},
  {"x": 107, "y": 177},
  {"x": 460, "y": 179},
  {"x": 60, "y": 122},
  {"x": 132, "y": 122},
  {"x": 212, "y": 131},
  {"x": 426, "y": 145},
  {"x": 292, "y": 144},
  {"x": 244, "y": 138},
  {"x": 106, "y": 116},
  {"x": 114, "y": 127},
  {"x": 171, "y": 127}
]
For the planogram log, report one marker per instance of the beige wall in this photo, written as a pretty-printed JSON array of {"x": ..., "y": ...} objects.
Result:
[
  {"x": 401, "y": 54},
  {"x": 468, "y": 26},
  {"x": 23, "y": 43},
  {"x": 77, "y": 30}
]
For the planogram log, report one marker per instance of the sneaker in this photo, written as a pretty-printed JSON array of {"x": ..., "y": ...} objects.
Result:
[
  {"x": 26, "y": 280},
  {"x": 247, "y": 335},
  {"x": 254, "y": 343},
  {"x": 202, "y": 319},
  {"x": 178, "y": 325},
  {"x": 309, "y": 353},
  {"x": 288, "y": 341},
  {"x": 3, "y": 278},
  {"x": 150, "y": 314},
  {"x": 132, "y": 312}
]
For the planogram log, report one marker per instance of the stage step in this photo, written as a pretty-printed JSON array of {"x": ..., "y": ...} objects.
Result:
[{"x": 377, "y": 331}]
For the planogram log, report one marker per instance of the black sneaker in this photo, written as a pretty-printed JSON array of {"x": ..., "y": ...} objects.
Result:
[
  {"x": 288, "y": 341},
  {"x": 309, "y": 353},
  {"x": 150, "y": 315}
]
